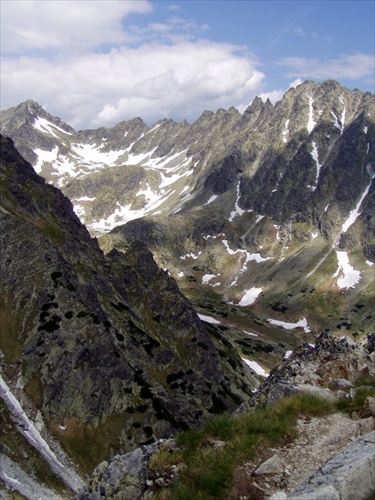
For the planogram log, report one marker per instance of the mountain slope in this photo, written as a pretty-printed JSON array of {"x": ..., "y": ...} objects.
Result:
[
  {"x": 266, "y": 215},
  {"x": 105, "y": 350}
]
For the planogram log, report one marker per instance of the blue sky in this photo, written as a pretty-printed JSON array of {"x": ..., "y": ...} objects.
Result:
[{"x": 95, "y": 63}]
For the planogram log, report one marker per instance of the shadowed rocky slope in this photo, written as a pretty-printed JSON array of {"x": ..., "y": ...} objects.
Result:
[{"x": 107, "y": 349}]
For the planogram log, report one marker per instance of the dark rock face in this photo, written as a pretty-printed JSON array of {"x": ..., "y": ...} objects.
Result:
[{"x": 97, "y": 343}]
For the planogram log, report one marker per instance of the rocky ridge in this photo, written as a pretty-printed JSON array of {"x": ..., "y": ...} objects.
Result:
[
  {"x": 105, "y": 350},
  {"x": 265, "y": 220}
]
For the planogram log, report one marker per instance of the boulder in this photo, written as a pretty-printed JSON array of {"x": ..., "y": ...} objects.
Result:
[{"x": 348, "y": 475}]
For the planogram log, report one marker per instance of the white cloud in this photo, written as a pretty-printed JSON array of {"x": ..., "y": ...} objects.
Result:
[
  {"x": 346, "y": 67},
  {"x": 88, "y": 63},
  {"x": 69, "y": 25},
  {"x": 152, "y": 81}
]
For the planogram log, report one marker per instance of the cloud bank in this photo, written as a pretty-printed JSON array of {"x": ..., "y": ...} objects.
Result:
[
  {"x": 87, "y": 63},
  {"x": 95, "y": 63}
]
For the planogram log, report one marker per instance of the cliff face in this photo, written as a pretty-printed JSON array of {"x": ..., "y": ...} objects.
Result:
[{"x": 107, "y": 348}]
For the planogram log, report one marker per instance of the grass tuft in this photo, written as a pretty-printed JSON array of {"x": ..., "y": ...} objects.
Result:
[{"x": 211, "y": 454}]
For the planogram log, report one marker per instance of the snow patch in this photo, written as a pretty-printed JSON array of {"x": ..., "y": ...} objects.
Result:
[
  {"x": 347, "y": 276},
  {"x": 237, "y": 209},
  {"x": 191, "y": 255},
  {"x": 250, "y": 296},
  {"x": 93, "y": 155},
  {"x": 256, "y": 367},
  {"x": 286, "y": 131},
  {"x": 44, "y": 126},
  {"x": 311, "y": 123},
  {"x": 354, "y": 214},
  {"x": 44, "y": 156},
  {"x": 250, "y": 333},
  {"x": 208, "y": 319},
  {"x": 302, "y": 323},
  {"x": 207, "y": 278},
  {"x": 314, "y": 154},
  {"x": 213, "y": 198}
]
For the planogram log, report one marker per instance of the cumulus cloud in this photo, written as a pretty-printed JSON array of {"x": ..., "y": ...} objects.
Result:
[
  {"x": 346, "y": 67},
  {"x": 65, "y": 25},
  {"x": 151, "y": 81},
  {"x": 91, "y": 67}
]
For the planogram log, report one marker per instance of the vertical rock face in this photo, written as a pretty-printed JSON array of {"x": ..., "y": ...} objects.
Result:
[{"x": 107, "y": 349}]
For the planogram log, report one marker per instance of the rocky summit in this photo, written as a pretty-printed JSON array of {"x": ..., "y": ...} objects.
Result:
[{"x": 154, "y": 276}]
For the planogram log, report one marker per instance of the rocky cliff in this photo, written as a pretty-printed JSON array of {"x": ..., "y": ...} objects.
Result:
[{"x": 105, "y": 349}]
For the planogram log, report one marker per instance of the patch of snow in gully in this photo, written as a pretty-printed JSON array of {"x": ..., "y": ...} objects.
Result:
[
  {"x": 354, "y": 214},
  {"x": 347, "y": 276},
  {"x": 256, "y": 367},
  {"x": 250, "y": 296},
  {"x": 208, "y": 319}
]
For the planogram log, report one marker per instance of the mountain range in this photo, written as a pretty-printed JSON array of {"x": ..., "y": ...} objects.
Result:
[
  {"x": 273, "y": 208},
  {"x": 152, "y": 276}
]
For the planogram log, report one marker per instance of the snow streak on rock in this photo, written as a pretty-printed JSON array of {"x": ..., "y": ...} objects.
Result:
[
  {"x": 315, "y": 156},
  {"x": 34, "y": 437},
  {"x": 311, "y": 123},
  {"x": 208, "y": 319},
  {"x": 255, "y": 367},
  {"x": 356, "y": 213}
]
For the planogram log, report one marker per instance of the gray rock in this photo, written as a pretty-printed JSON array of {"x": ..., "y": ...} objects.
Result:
[
  {"x": 369, "y": 407},
  {"x": 125, "y": 476},
  {"x": 273, "y": 465},
  {"x": 348, "y": 475},
  {"x": 320, "y": 392}
]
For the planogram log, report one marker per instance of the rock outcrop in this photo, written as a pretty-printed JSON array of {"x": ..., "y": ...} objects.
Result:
[
  {"x": 327, "y": 369},
  {"x": 349, "y": 474},
  {"x": 332, "y": 456},
  {"x": 106, "y": 349}
]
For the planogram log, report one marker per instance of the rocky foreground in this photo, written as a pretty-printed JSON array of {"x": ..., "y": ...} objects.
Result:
[{"x": 332, "y": 457}]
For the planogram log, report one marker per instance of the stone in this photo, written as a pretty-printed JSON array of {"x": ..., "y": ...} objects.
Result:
[
  {"x": 273, "y": 465},
  {"x": 320, "y": 392},
  {"x": 368, "y": 409},
  {"x": 348, "y": 475}
]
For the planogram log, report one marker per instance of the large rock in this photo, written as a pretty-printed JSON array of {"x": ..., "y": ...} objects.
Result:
[{"x": 349, "y": 475}]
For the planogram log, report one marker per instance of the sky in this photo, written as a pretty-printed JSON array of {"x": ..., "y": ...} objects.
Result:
[{"x": 96, "y": 63}]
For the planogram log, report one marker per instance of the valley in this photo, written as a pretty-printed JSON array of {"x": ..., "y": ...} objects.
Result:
[{"x": 153, "y": 277}]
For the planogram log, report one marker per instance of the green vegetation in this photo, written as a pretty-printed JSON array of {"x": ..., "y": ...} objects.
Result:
[
  {"x": 364, "y": 388},
  {"x": 211, "y": 454}
]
